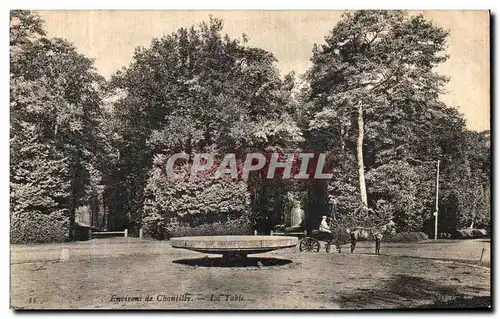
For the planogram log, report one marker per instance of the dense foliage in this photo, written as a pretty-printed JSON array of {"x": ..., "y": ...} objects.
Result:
[
  {"x": 56, "y": 142},
  {"x": 197, "y": 206},
  {"x": 406, "y": 237},
  {"x": 373, "y": 98},
  {"x": 36, "y": 227},
  {"x": 196, "y": 91},
  {"x": 370, "y": 101}
]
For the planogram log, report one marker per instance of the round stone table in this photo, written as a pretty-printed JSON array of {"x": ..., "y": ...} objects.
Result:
[{"x": 233, "y": 248}]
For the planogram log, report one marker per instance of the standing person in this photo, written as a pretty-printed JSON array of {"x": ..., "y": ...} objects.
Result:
[
  {"x": 378, "y": 239},
  {"x": 335, "y": 229}
]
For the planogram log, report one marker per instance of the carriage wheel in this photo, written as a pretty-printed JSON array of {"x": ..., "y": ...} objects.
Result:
[
  {"x": 309, "y": 244},
  {"x": 315, "y": 245},
  {"x": 304, "y": 244}
]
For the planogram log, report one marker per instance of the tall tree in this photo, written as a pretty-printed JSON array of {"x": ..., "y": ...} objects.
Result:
[
  {"x": 198, "y": 90},
  {"x": 56, "y": 100},
  {"x": 373, "y": 61}
]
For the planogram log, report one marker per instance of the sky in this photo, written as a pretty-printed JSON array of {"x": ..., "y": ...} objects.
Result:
[{"x": 111, "y": 36}]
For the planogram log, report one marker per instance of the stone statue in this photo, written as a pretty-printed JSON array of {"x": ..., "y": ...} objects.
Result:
[{"x": 296, "y": 212}]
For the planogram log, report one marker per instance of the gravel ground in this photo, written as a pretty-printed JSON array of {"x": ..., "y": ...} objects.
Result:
[{"x": 129, "y": 273}]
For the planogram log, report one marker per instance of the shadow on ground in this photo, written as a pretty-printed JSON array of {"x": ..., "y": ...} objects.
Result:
[
  {"x": 218, "y": 262},
  {"x": 468, "y": 302},
  {"x": 401, "y": 291},
  {"x": 457, "y": 260}
]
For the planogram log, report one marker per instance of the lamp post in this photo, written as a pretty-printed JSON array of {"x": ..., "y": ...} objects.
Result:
[{"x": 437, "y": 203}]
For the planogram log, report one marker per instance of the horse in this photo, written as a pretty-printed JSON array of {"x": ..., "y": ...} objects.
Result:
[{"x": 366, "y": 233}]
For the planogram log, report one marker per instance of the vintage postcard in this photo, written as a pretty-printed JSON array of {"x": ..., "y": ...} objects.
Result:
[{"x": 213, "y": 160}]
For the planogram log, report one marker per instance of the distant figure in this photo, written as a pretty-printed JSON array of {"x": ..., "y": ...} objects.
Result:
[
  {"x": 324, "y": 227},
  {"x": 378, "y": 238},
  {"x": 296, "y": 215}
]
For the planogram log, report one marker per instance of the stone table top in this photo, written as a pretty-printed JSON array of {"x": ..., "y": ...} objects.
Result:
[{"x": 224, "y": 244}]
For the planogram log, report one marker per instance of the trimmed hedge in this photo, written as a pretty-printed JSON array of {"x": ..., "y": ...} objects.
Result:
[
  {"x": 35, "y": 227},
  {"x": 155, "y": 227},
  {"x": 406, "y": 237},
  {"x": 240, "y": 226},
  {"x": 194, "y": 207}
]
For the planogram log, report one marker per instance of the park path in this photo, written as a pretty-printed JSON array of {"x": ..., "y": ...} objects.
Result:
[
  {"x": 100, "y": 269},
  {"x": 114, "y": 247},
  {"x": 111, "y": 247},
  {"x": 470, "y": 249}
]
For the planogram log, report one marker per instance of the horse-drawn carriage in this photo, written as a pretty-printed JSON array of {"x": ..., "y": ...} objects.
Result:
[
  {"x": 310, "y": 242},
  {"x": 335, "y": 234}
]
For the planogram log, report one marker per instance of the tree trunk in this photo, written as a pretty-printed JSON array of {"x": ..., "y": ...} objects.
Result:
[
  {"x": 72, "y": 211},
  {"x": 361, "y": 164}
]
